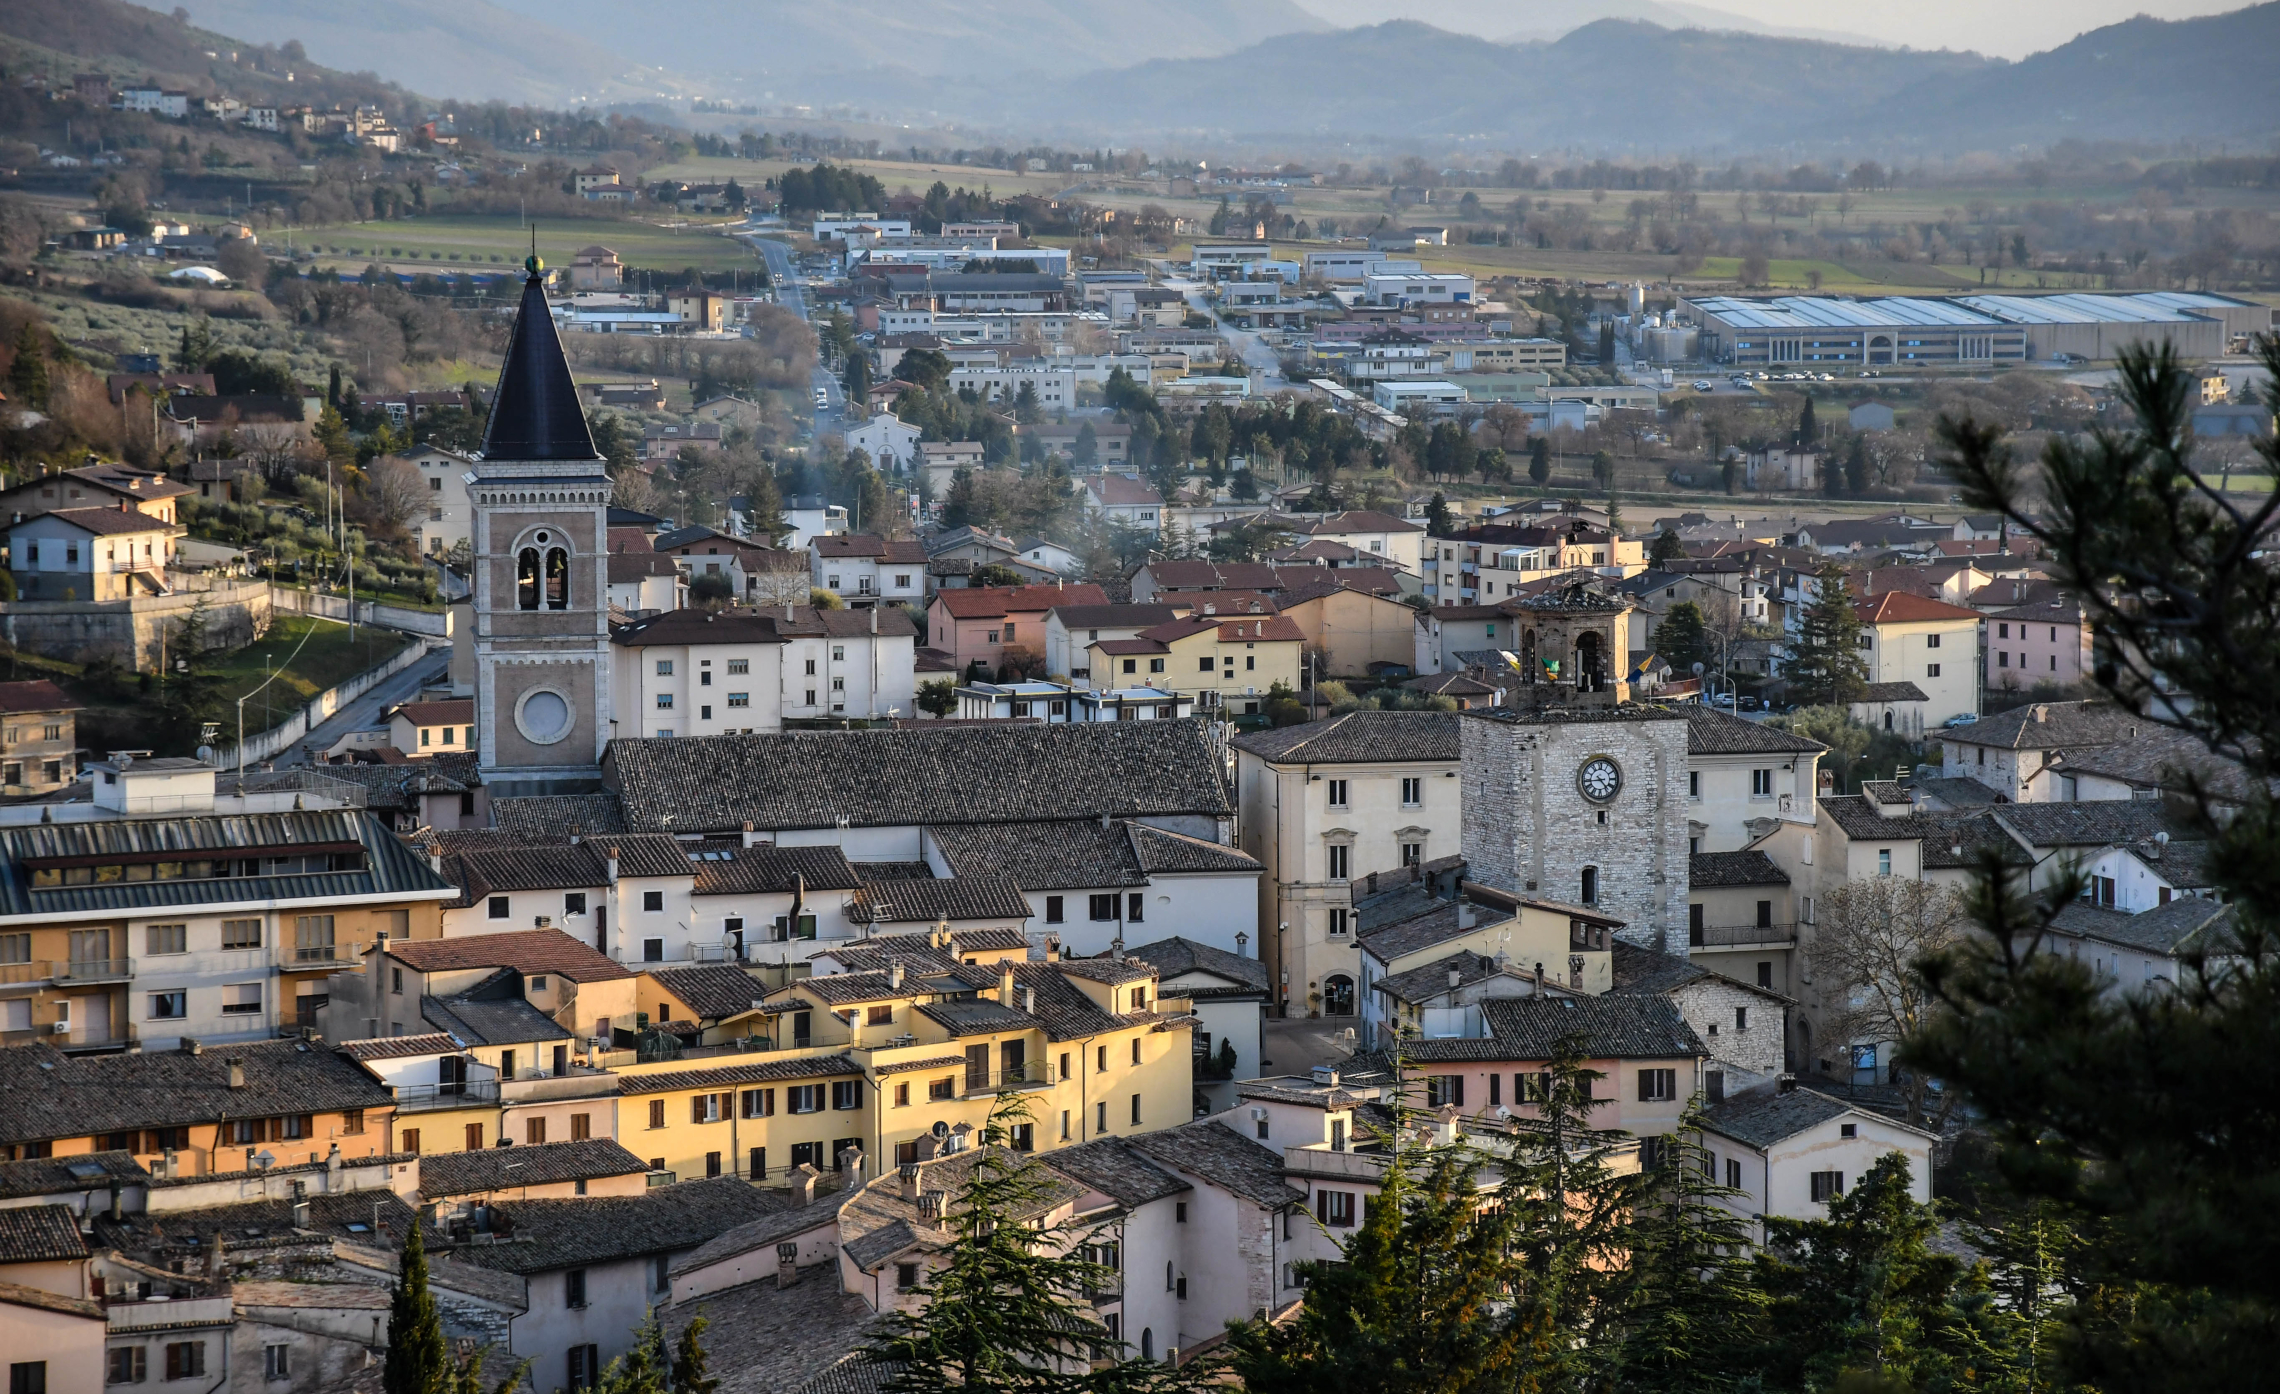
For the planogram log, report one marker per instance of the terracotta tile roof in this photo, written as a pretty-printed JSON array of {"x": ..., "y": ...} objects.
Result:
[
  {"x": 458, "y": 712},
  {"x": 526, "y": 951},
  {"x": 85, "y": 1171},
  {"x": 1707, "y": 869},
  {"x": 112, "y": 522},
  {"x": 992, "y": 602},
  {"x": 1361, "y": 737},
  {"x": 39, "y": 695},
  {"x": 711, "y": 990},
  {"x": 1900, "y": 607},
  {"x": 983, "y": 896},
  {"x": 771, "y": 870},
  {"x": 545, "y": 1235},
  {"x": 717, "y": 1076}
]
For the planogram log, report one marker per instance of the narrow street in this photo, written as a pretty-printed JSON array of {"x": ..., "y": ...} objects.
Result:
[
  {"x": 791, "y": 293},
  {"x": 365, "y": 711}
]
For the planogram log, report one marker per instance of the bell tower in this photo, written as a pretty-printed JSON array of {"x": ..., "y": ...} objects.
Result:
[{"x": 541, "y": 609}]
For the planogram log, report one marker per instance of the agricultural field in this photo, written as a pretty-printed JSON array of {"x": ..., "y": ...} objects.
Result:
[{"x": 448, "y": 244}]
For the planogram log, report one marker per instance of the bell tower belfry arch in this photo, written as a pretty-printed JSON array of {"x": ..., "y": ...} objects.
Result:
[{"x": 540, "y": 528}]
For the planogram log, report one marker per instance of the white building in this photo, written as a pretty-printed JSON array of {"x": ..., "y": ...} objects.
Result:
[
  {"x": 1791, "y": 1150},
  {"x": 1419, "y": 288},
  {"x": 1056, "y": 389},
  {"x": 1437, "y": 397},
  {"x": 1935, "y": 645},
  {"x": 91, "y": 554},
  {"x": 1098, "y": 884},
  {"x": 694, "y": 673},
  {"x": 863, "y": 569},
  {"x": 1239, "y": 260},
  {"x": 1125, "y": 498},
  {"x": 1358, "y": 265},
  {"x": 1327, "y": 803},
  {"x": 891, "y": 444},
  {"x": 443, "y": 523},
  {"x": 1744, "y": 780}
]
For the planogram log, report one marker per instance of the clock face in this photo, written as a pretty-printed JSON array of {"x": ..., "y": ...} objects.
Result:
[{"x": 1599, "y": 779}]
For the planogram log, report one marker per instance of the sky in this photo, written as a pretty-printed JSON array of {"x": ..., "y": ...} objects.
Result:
[{"x": 2003, "y": 28}]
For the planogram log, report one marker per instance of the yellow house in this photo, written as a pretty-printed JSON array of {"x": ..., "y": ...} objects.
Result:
[
  {"x": 1227, "y": 662},
  {"x": 1348, "y": 629},
  {"x": 903, "y": 1040}
]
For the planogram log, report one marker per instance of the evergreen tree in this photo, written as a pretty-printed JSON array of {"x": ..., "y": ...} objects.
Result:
[
  {"x": 1572, "y": 1211},
  {"x": 1540, "y": 460},
  {"x": 28, "y": 375},
  {"x": 1856, "y": 467},
  {"x": 1439, "y": 520},
  {"x": 1683, "y": 638},
  {"x": 857, "y": 381},
  {"x": 1667, "y": 548},
  {"x": 332, "y": 387},
  {"x": 333, "y": 437},
  {"x": 689, "y": 1372},
  {"x": 1087, "y": 451},
  {"x": 1808, "y": 429},
  {"x": 1863, "y": 1290},
  {"x": 1006, "y": 1310},
  {"x": 2104, "y": 1100},
  {"x": 416, "y": 1362},
  {"x": 190, "y": 695},
  {"x": 960, "y": 507},
  {"x": 466, "y": 1375},
  {"x": 1691, "y": 1311},
  {"x": 1823, "y": 666},
  {"x": 1833, "y": 474},
  {"x": 1417, "y": 1301},
  {"x": 645, "y": 1369}
]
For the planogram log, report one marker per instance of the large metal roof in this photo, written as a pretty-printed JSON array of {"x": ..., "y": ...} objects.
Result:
[{"x": 1798, "y": 312}]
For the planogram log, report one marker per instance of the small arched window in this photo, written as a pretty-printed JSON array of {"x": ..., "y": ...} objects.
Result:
[
  {"x": 1147, "y": 1343},
  {"x": 1590, "y": 886},
  {"x": 526, "y": 579},
  {"x": 557, "y": 579}
]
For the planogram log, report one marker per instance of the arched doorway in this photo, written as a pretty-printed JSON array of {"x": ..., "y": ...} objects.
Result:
[
  {"x": 1147, "y": 1343},
  {"x": 1337, "y": 995},
  {"x": 1880, "y": 349},
  {"x": 1590, "y": 663}
]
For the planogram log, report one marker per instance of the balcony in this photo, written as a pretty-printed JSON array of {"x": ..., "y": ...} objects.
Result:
[
  {"x": 93, "y": 970},
  {"x": 427, "y": 1098},
  {"x": 316, "y": 953},
  {"x": 1036, "y": 1074},
  {"x": 38, "y": 970},
  {"x": 1319, "y": 1159},
  {"x": 164, "y": 1311},
  {"x": 1739, "y": 936}
]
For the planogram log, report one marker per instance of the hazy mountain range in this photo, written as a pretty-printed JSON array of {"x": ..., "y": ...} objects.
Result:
[{"x": 1652, "y": 75}]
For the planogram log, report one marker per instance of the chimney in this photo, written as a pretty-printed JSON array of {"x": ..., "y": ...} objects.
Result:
[
  {"x": 851, "y": 1162},
  {"x": 1028, "y": 999},
  {"x": 874, "y": 620},
  {"x": 935, "y": 1205},
  {"x": 787, "y": 1265},
  {"x": 906, "y": 1180},
  {"x": 1465, "y": 917},
  {"x": 1539, "y": 980},
  {"x": 2042, "y": 713},
  {"x": 1052, "y": 948},
  {"x": 803, "y": 1184},
  {"x": 237, "y": 1074},
  {"x": 611, "y": 852},
  {"x": 1785, "y": 1084},
  {"x": 1005, "y": 983},
  {"x": 116, "y": 1205},
  {"x": 191, "y": 1045},
  {"x": 300, "y": 1214},
  {"x": 895, "y": 975},
  {"x": 1456, "y": 978}
]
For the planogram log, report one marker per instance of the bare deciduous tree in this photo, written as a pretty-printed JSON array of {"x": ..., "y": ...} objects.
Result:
[
  {"x": 1865, "y": 946},
  {"x": 395, "y": 492}
]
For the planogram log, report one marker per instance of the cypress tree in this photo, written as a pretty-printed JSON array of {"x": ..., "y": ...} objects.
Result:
[
  {"x": 28, "y": 375},
  {"x": 416, "y": 1362},
  {"x": 1572, "y": 1211},
  {"x": 1691, "y": 1313},
  {"x": 1808, "y": 429},
  {"x": 1540, "y": 460}
]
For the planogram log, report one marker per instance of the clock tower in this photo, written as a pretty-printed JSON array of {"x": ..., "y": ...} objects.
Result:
[{"x": 541, "y": 609}]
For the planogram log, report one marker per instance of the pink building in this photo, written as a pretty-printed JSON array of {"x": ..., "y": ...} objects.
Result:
[{"x": 2048, "y": 642}]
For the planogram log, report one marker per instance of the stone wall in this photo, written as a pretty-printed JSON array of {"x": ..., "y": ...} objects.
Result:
[
  {"x": 1530, "y": 829},
  {"x": 133, "y": 633}
]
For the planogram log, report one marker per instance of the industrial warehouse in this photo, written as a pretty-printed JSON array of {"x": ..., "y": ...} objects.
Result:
[{"x": 1902, "y": 331}]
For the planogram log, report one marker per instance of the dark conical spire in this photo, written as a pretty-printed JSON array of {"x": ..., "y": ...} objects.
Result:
[{"x": 535, "y": 413}]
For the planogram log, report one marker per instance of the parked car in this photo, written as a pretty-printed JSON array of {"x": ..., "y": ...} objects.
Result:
[
  {"x": 1702, "y": 384},
  {"x": 1959, "y": 719}
]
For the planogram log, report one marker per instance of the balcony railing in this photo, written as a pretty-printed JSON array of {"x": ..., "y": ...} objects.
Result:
[
  {"x": 1736, "y": 935},
  {"x": 37, "y": 970},
  {"x": 1034, "y": 1074},
  {"x": 315, "y": 953},
  {"x": 422, "y": 1098},
  {"x": 167, "y": 1312},
  {"x": 88, "y": 970}
]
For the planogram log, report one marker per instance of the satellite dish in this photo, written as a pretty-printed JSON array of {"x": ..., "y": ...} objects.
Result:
[
  {"x": 1700, "y": 669},
  {"x": 941, "y": 1129}
]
